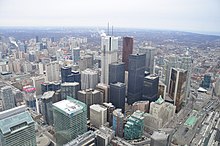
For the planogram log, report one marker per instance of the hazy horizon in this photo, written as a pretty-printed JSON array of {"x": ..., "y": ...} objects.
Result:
[{"x": 200, "y": 16}]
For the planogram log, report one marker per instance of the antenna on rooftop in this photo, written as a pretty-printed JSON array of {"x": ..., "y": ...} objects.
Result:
[
  {"x": 108, "y": 29},
  {"x": 112, "y": 30}
]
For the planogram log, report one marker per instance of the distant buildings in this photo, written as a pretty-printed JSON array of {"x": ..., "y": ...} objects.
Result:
[
  {"x": 109, "y": 48},
  {"x": 177, "y": 86},
  {"x": 127, "y": 50},
  {"x": 89, "y": 79},
  {"x": 17, "y": 128},
  {"x": 150, "y": 89},
  {"x": 98, "y": 115},
  {"x": 134, "y": 126},
  {"x": 8, "y": 100},
  {"x": 116, "y": 72},
  {"x": 206, "y": 82},
  {"x": 69, "y": 89},
  {"x": 69, "y": 120},
  {"x": 52, "y": 71},
  {"x": 136, "y": 68},
  {"x": 117, "y": 95},
  {"x": 118, "y": 122}
]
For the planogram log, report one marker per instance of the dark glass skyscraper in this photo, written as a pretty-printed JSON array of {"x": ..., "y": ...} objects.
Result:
[
  {"x": 136, "y": 68},
  {"x": 150, "y": 89},
  {"x": 67, "y": 75},
  {"x": 117, "y": 95},
  {"x": 127, "y": 50},
  {"x": 116, "y": 72},
  {"x": 65, "y": 71}
]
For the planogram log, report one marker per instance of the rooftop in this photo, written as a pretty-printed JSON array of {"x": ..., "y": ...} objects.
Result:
[
  {"x": 191, "y": 121},
  {"x": 7, "y": 124},
  {"x": 48, "y": 95},
  {"x": 98, "y": 107},
  {"x": 69, "y": 106},
  {"x": 70, "y": 84}
]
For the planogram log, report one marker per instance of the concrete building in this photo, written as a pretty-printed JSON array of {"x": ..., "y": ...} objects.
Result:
[
  {"x": 110, "y": 108},
  {"x": 142, "y": 106},
  {"x": 162, "y": 110},
  {"x": 104, "y": 136},
  {"x": 37, "y": 81},
  {"x": 52, "y": 71},
  {"x": 30, "y": 96},
  {"x": 86, "y": 62},
  {"x": 127, "y": 50},
  {"x": 117, "y": 95},
  {"x": 90, "y": 97},
  {"x": 98, "y": 115},
  {"x": 160, "y": 138},
  {"x": 162, "y": 88},
  {"x": 177, "y": 87},
  {"x": 89, "y": 79},
  {"x": 136, "y": 68},
  {"x": 104, "y": 90},
  {"x": 217, "y": 87},
  {"x": 7, "y": 97},
  {"x": 134, "y": 126},
  {"x": 47, "y": 111},
  {"x": 69, "y": 89},
  {"x": 150, "y": 53},
  {"x": 118, "y": 122},
  {"x": 109, "y": 48},
  {"x": 116, "y": 72},
  {"x": 86, "y": 139},
  {"x": 17, "y": 128},
  {"x": 150, "y": 89},
  {"x": 151, "y": 123},
  {"x": 75, "y": 55},
  {"x": 69, "y": 120}
]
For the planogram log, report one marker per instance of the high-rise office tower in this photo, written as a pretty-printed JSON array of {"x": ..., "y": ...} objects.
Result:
[
  {"x": 75, "y": 55},
  {"x": 134, "y": 126},
  {"x": 127, "y": 50},
  {"x": 109, "y": 48},
  {"x": 110, "y": 108},
  {"x": 69, "y": 89},
  {"x": 37, "y": 39},
  {"x": 186, "y": 64},
  {"x": 150, "y": 89},
  {"x": 177, "y": 86},
  {"x": 7, "y": 97},
  {"x": 117, "y": 95},
  {"x": 65, "y": 71},
  {"x": 170, "y": 62},
  {"x": 116, "y": 72},
  {"x": 86, "y": 62},
  {"x": 217, "y": 87},
  {"x": 17, "y": 128},
  {"x": 150, "y": 53},
  {"x": 118, "y": 122},
  {"x": 136, "y": 68},
  {"x": 104, "y": 90},
  {"x": 29, "y": 96},
  {"x": 50, "y": 86},
  {"x": 206, "y": 81},
  {"x": 69, "y": 120},
  {"x": 52, "y": 71},
  {"x": 47, "y": 111},
  {"x": 89, "y": 79},
  {"x": 37, "y": 81},
  {"x": 98, "y": 115},
  {"x": 67, "y": 75},
  {"x": 162, "y": 89},
  {"x": 90, "y": 97}
]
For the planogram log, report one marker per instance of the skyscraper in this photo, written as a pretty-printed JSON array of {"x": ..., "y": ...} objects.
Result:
[
  {"x": 7, "y": 97},
  {"x": 98, "y": 115},
  {"x": 47, "y": 111},
  {"x": 116, "y": 72},
  {"x": 69, "y": 89},
  {"x": 17, "y": 128},
  {"x": 69, "y": 120},
  {"x": 117, "y": 95},
  {"x": 104, "y": 90},
  {"x": 75, "y": 55},
  {"x": 177, "y": 86},
  {"x": 150, "y": 89},
  {"x": 127, "y": 50},
  {"x": 136, "y": 68},
  {"x": 118, "y": 122},
  {"x": 65, "y": 71},
  {"x": 110, "y": 108},
  {"x": 150, "y": 53},
  {"x": 89, "y": 79},
  {"x": 52, "y": 71},
  {"x": 109, "y": 48}
]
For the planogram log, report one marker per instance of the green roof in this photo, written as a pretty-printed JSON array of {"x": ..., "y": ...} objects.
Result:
[
  {"x": 160, "y": 100},
  {"x": 191, "y": 121},
  {"x": 8, "y": 123}
]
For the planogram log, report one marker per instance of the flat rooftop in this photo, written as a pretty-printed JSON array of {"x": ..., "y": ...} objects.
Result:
[
  {"x": 70, "y": 84},
  {"x": 48, "y": 95},
  {"x": 69, "y": 107},
  {"x": 191, "y": 121}
]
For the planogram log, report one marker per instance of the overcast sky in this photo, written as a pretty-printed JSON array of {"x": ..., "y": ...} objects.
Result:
[{"x": 188, "y": 15}]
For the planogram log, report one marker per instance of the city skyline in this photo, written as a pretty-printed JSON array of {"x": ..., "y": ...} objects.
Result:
[{"x": 194, "y": 16}]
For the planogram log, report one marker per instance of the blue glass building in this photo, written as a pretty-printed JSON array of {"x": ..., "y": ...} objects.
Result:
[{"x": 116, "y": 72}]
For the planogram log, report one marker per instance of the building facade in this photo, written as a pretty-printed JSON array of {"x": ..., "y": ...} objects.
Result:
[
  {"x": 116, "y": 72},
  {"x": 127, "y": 50}
]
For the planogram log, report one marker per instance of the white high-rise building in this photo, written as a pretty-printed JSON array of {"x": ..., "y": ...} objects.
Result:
[
  {"x": 89, "y": 79},
  {"x": 109, "y": 48},
  {"x": 98, "y": 115},
  {"x": 52, "y": 71}
]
